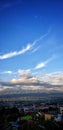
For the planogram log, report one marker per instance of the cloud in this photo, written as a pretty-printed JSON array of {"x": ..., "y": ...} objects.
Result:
[
  {"x": 6, "y": 72},
  {"x": 43, "y": 64},
  {"x": 16, "y": 53},
  {"x": 27, "y": 83},
  {"x": 57, "y": 73},
  {"x": 55, "y": 78},
  {"x": 27, "y": 48},
  {"x": 24, "y": 73},
  {"x": 36, "y": 49},
  {"x": 40, "y": 65},
  {"x": 37, "y": 40},
  {"x": 42, "y": 37}
]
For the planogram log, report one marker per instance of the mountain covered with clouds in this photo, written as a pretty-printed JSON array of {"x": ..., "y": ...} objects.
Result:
[{"x": 29, "y": 83}]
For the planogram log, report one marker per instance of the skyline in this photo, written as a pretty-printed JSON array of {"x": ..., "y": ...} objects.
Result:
[{"x": 31, "y": 46}]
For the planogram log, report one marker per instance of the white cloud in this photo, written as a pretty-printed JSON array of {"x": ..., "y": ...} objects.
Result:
[
  {"x": 54, "y": 78},
  {"x": 37, "y": 40},
  {"x": 40, "y": 65},
  {"x": 57, "y": 73},
  {"x": 30, "y": 83},
  {"x": 6, "y": 72},
  {"x": 25, "y": 73},
  {"x": 43, "y": 64},
  {"x": 36, "y": 49},
  {"x": 42, "y": 37},
  {"x": 16, "y": 53},
  {"x": 27, "y": 48}
]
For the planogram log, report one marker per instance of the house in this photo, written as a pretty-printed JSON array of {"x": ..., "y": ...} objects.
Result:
[{"x": 48, "y": 116}]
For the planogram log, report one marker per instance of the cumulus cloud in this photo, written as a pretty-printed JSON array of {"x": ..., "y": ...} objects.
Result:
[
  {"x": 25, "y": 73},
  {"x": 29, "y": 83},
  {"x": 24, "y": 84},
  {"x": 55, "y": 78}
]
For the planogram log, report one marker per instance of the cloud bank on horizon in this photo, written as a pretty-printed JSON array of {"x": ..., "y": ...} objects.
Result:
[{"x": 27, "y": 83}]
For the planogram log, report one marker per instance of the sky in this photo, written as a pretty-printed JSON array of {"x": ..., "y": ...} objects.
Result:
[{"x": 31, "y": 46}]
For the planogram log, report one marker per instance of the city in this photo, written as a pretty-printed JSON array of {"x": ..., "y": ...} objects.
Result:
[{"x": 31, "y": 114}]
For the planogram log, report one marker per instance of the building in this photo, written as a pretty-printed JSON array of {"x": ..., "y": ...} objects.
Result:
[{"x": 48, "y": 116}]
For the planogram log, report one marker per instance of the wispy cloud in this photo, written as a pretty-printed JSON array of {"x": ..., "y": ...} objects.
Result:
[
  {"x": 27, "y": 48},
  {"x": 6, "y": 72},
  {"x": 42, "y": 37},
  {"x": 39, "y": 39},
  {"x": 16, "y": 53},
  {"x": 36, "y": 49},
  {"x": 43, "y": 64},
  {"x": 57, "y": 73}
]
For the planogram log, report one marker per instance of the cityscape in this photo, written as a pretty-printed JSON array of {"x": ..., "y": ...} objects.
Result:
[{"x": 30, "y": 115}]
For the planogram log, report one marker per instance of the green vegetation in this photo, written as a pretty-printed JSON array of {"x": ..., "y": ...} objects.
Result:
[{"x": 28, "y": 117}]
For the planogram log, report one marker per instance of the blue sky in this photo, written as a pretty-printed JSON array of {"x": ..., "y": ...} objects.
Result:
[{"x": 31, "y": 40}]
